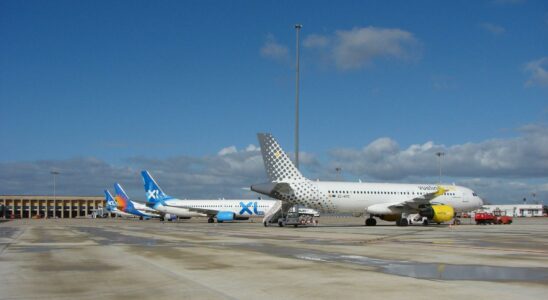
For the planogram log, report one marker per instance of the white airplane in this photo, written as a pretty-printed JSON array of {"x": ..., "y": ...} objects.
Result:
[
  {"x": 387, "y": 201},
  {"x": 222, "y": 210}
]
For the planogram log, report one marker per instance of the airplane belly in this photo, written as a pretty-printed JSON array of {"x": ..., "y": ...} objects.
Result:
[{"x": 180, "y": 212}]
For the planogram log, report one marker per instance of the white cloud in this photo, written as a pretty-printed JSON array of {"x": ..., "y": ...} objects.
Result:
[
  {"x": 316, "y": 40},
  {"x": 498, "y": 169},
  {"x": 227, "y": 150},
  {"x": 492, "y": 28},
  {"x": 523, "y": 157},
  {"x": 274, "y": 50},
  {"x": 355, "y": 48},
  {"x": 537, "y": 70},
  {"x": 252, "y": 147}
]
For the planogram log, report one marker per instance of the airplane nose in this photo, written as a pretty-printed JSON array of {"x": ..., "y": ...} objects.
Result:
[{"x": 480, "y": 201}]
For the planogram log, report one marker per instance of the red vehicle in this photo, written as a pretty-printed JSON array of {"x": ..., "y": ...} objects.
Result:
[
  {"x": 483, "y": 218},
  {"x": 492, "y": 218},
  {"x": 502, "y": 218}
]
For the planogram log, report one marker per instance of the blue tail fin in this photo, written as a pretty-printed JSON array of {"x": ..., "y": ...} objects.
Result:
[
  {"x": 153, "y": 191},
  {"x": 111, "y": 204},
  {"x": 122, "y": 200}
]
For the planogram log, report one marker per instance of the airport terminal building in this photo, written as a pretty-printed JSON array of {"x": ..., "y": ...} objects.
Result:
[
  {"x": 515, "y": 210},
  {"x": 19, "y": 206}
]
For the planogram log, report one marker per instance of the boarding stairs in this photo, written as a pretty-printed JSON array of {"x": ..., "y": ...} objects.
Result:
[{"x": 273, "y": 213}]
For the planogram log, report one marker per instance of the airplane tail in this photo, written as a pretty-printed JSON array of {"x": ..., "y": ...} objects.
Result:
[
  {"x": 277, "y": 164},
  {"x": 109, "y": 200},
  {"x": 153, "y": 191},
  {"x": 121, "y": 198}
]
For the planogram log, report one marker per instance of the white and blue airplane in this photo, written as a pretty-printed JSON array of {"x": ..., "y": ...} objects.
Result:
[
  {"x": 388, "y": 201},
  {"x": 124, "y": 204},
  {"x": 222, "y": 210},
  {"x": 111, "y": 206}
]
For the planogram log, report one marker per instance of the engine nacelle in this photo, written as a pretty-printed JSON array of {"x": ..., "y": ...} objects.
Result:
[
  {"x": 438, "y": 213},
  {"x": 225, "y": 216}
]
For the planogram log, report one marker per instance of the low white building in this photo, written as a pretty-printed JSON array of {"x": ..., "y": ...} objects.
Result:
[{"x": 515, "y": 210}]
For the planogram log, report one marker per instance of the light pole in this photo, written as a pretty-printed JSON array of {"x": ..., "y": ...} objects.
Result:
[
  {"x": 54, "y": 173},
  {"x": 338, "y": 170},
  {"x": 439, "y": 154},
  {"x": 298, "y": 30}
]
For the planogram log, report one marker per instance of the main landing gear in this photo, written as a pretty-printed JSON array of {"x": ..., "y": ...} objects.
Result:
[
  {"x": 370, "y": 222},
  {"x": 402, "y": 222},
  {"x": 210, "y": 220}
]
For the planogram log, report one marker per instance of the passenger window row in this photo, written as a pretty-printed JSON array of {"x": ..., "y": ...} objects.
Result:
[{"x": 384, "y": 193}]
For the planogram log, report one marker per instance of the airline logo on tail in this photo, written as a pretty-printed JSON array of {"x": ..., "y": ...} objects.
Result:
[
  {"x": 111, "y": 204},
  {"x": 152, "y": 194},
  {"x": 153, "y": 191},
  {"x": 279, "y": 167},
  {"x": 121, "y": 198}
]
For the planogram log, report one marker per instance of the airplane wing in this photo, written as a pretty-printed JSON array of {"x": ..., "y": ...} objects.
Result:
[
  {"x": 207, "y": 211},
  {"x": 422, "y": 199},
  {"x": 142, "y": 207}
]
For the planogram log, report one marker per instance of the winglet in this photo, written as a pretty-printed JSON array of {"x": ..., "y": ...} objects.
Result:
[{"x": 440, "y": 191}]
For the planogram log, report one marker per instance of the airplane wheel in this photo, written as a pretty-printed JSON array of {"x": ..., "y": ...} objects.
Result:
[
  {"x": 425, "y": 222},
  {"x": 280, "y": 223},
  {"x": 162, "y": 219},
  {"x": 210, "y": 220},
  {"x": 370, "y": 222},
  {"x": 265, "y": 225},
  {"x": 403, "y": 222}
]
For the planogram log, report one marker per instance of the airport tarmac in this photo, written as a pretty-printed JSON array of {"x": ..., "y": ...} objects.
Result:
[{"x": 340, "y": 258}]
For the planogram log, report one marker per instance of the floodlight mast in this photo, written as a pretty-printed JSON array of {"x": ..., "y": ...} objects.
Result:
[
  {"x": 439, "y": 154},
  {"x": 298, "y": 29}
]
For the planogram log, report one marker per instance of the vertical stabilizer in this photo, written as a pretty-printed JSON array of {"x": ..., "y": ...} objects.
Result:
[
  {"x": 111, "y": 204},
  {"x": 277, "y": 164},
  {"x": 153, "y": 191},
  {"x": 122, "y": 200}
]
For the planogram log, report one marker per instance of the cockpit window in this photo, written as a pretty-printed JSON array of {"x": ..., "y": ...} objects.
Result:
[{"x": 474, "y": 194}]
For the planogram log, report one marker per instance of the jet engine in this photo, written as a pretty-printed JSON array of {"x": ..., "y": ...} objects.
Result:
[
  {"x": 225, "y": 216},
  {"x": 438, "y": 213}
]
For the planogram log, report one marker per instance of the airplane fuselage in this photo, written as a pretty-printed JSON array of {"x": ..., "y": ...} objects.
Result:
[
  {"x": 356, "y": 197},
  {"x": 240, "y": 208}
]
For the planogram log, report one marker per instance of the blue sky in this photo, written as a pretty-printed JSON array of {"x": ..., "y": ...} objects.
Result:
[{"x": 133, "y": 84}]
